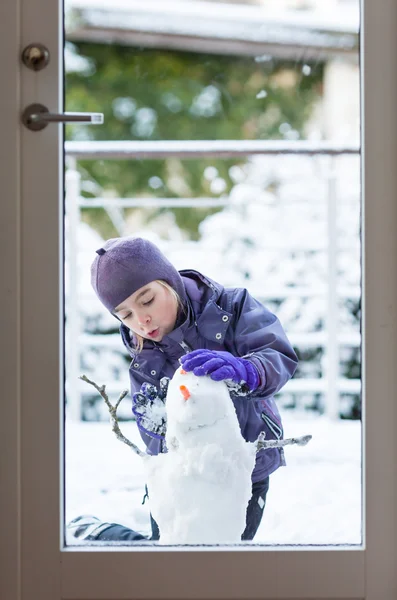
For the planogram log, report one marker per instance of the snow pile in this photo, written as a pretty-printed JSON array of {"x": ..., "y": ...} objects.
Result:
[{"x": 199, "y": 490}]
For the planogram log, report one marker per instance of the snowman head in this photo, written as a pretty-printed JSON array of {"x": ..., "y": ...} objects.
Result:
[{"x": 196, "y": 402}]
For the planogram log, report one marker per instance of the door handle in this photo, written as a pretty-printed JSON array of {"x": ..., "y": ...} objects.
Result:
[{"x": 37, "y": 116}]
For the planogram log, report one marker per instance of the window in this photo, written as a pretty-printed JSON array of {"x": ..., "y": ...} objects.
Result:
[{"x": 241, "y": 162}]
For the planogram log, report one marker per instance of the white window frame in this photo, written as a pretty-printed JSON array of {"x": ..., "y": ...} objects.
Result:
[{"x": 33, "y": 565}]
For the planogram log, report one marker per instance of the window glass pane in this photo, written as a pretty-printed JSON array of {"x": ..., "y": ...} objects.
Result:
[{"x": 281, "y": 220}]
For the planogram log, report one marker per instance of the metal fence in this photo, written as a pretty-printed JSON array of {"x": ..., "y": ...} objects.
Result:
[{"x": 330, "y": 339}]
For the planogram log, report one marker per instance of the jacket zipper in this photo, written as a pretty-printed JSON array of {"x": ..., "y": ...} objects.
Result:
[
  {"x": 185, "y": 346},
  {"x": 273, "y": 416},
  {"x": 273, "y": 425}
]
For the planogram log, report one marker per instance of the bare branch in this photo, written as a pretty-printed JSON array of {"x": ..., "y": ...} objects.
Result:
[
  {"x": 299, "y": 441},
  {"x": 113, "y": 416}
]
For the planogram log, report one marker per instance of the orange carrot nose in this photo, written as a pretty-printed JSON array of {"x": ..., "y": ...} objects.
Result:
[
  {"x": 185, "y": 392},
  {"x": 182, "y": 372}
]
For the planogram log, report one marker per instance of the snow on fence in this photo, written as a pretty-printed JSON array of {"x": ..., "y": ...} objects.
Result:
[{"x": 330, "y": 384}]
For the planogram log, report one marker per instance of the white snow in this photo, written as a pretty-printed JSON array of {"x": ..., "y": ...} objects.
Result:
[
  {"x": 324, "y": 18},
  {"x": 316, "y": 499}
]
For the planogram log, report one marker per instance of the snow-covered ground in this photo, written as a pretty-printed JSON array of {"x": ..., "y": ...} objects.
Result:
[{"x": 316, "y": 499}]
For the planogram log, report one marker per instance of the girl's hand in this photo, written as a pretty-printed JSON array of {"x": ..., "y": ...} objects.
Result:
[
  {"x": 148, "y": 406},
  {"x": 221, "y": 365}
]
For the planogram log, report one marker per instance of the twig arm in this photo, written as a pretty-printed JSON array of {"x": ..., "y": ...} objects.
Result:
[
  {"x": 113, "y": 416},
  {"x": 299, "y": 441}
]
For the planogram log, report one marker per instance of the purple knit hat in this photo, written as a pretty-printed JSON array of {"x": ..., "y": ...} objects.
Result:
[{"x": 124, "y": 265}]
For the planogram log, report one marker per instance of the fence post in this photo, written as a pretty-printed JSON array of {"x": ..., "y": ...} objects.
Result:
[
  {"x": 331, "y": 362},
  {"x": 72, "y": 333}
]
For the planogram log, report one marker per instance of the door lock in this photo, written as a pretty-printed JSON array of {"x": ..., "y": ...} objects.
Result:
[{"x": 35, "y": 57}]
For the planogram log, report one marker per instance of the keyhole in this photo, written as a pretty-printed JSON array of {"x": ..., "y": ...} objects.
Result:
[{"x": 35, "y": 57}]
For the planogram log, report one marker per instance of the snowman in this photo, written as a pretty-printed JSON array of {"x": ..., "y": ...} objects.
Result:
[{"x": 199, "y": 490}]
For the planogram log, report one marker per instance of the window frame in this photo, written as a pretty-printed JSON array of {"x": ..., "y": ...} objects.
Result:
[{"x": 33, "y": 563}]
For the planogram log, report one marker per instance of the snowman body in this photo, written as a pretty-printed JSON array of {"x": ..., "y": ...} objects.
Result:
[{"x": 200, "y": 489}]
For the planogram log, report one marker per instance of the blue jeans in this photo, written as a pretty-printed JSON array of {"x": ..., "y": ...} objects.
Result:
[{"x": 255, "y": 508}]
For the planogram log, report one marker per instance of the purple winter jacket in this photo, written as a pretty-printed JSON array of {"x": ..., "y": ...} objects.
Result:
[{"x": 228, "y": 319}]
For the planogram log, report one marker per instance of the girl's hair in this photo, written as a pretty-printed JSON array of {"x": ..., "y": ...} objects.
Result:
[{"x": 139, "y": 339}]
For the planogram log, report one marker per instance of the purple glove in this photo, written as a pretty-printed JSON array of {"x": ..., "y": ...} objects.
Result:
[
  {"x": 220, "y": 365},
  {"x": 148, "y": 406}
]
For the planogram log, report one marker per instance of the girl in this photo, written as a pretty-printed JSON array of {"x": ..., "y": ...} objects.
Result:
[{"x": 170, "y": 318}]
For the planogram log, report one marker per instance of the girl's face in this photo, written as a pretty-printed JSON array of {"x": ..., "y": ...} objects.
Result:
[{"x": 150, "y": 312}]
